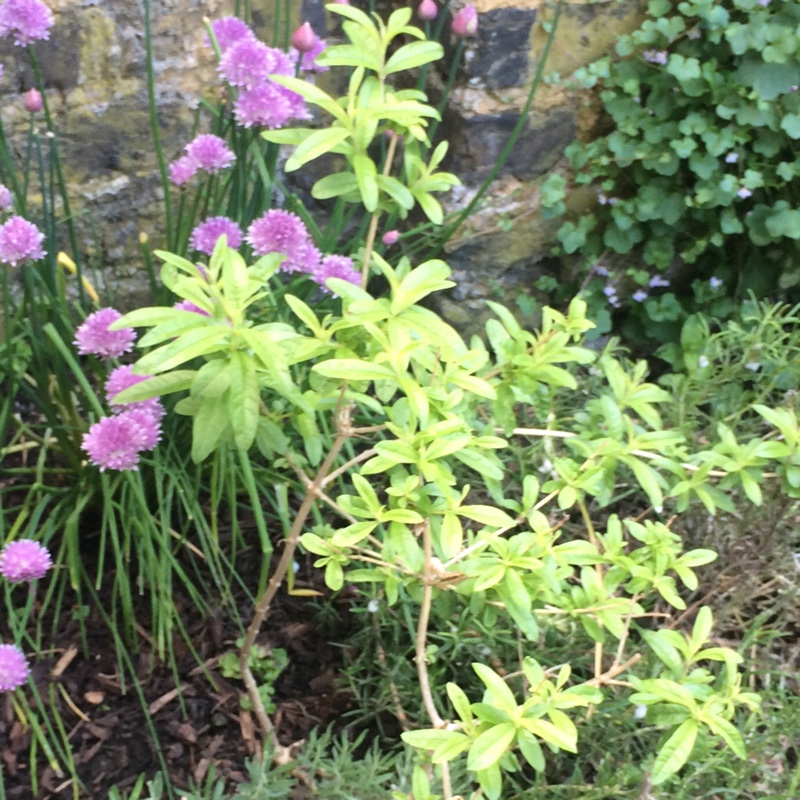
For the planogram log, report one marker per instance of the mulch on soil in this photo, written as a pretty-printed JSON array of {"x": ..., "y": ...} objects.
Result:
[{"x": 195, "y": 713}]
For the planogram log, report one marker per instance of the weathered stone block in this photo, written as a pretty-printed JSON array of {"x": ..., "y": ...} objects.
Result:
[
  {"x": 498, "y": 254},
  {"x": 478, "y": 139},
  {"x": 502, "y": 53}
]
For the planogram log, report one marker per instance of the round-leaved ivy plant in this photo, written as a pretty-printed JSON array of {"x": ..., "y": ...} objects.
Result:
[{"x": 698, "y": 177}]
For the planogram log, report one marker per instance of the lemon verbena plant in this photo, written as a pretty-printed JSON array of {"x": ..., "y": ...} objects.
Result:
[{"x": 396, "y": 427}]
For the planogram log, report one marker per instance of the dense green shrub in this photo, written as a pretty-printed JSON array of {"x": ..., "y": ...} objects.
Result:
[{"x": 697, "y": 178}]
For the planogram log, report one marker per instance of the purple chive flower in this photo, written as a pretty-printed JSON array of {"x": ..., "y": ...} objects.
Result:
[
  {"x": 336, "y": 267},
  {"x": 296, "y": 104},
  {"x": 109, "y": 444},
  {"x": 657, "y": 281},
  {"x": 6, "y": 198},
  {"x": 13, "y": 668},
  {"x": 28, "y": 20},
  {"x": 228, "y": 31},
  {"x": 94, "y": 337},
  {"x": 123, "y": 378},
  {"x": 188, "y": 305},
  {"x": 24, "y": 560},
  {"x": 639, "y": 296},
  {"x": 308, "y": 63},
  {"x": 303, "y": 38},
  {"x": 306, "y": 259},
  {"x": 209, "y": 153},
  {"x": 204, "y": 236},
  {"x": 182, "y": 170},
  {"x": 427, "y": 10},
  {"x": 465, "y": 23},
  {"x": 262, "y": 106},
  {"x": 281, "y": 232},
  {"x": 20, "y": 241},
  {"x": 32, "y": 101},
  {"x": 115, "y": 442},
  {"x": 249, "y": 62},
  {"x": 744, "y": 193},
  {"x": 145, "y": 428}
]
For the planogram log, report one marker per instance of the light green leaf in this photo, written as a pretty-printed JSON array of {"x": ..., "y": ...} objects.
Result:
[
  {"x": 703, "y": 624},
  {"x": 396, "y": 190},
  {"x": 403, "y": 515},
  {"x": 491, "y": 781},
  {"x": 502, "y": 696},
  {"x": 211, "y": 421},
  {"x": 487, "y": 515},
  {"x": 490, "y": 576},
  {"x": 192, "y": 344},
  {"x": 317, "y": 144},
  {"x": 147, "y": 317},
  {"x": 490, "y": 746},
  {"x": 451, "y": 535},
  {"x": 396, "y": 451},
  {"x": 531, "y": 750},
  {"x": 312, "y": 94},
  {"x": 413, "y": 55},
  {"x": 315, "y": 544},
  {"x": 167, "y": 331},
  {"x": 352, "y": 369},
  {"x": 459, "y": 701},
  {"x": 480, "y": 463},
  {"x": 334, "y": 185},
  {"x": 430, "y": 206},
  {"x": 665, "y": 651},
  {"x": 474, "y": 384},
  {"x": 366, "y": 175},
  {"x": 334, "y": 575},
  {"x": 157, "y": 386},
  {"x": 349, "y": 55},
  {"x": 729, "y": 734},
  {"x": 304, "y": 313},
  {"x": 447, "y": 751},
  {"x": 431, "y": 276},
  {"x": 428, "y": 739},
  {"x": 551, "y": 733},
  {"x": 243, "y": 400},
  {"x": 675, "y": 752}
]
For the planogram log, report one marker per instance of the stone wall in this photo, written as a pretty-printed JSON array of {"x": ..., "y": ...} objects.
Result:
[
  {"x": 94, "y": 68},
  {"x": 505, "y": 247}
]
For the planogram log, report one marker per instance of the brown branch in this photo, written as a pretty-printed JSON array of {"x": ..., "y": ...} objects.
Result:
[{"x": 262, "y": 609}]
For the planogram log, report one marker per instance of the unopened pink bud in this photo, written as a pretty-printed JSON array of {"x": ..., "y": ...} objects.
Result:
[
  {"x": 303, "y": 38},
  {"x": 390, "y": 237},
  {"x": 32, "y": 100},
  {"x": 465, "y": 23},
  {"x": 427, "y": 10},
  {"x": 341, "y": 2}
]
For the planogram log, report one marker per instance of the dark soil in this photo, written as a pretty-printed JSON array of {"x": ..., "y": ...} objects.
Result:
[{"x": 194, "y": 727}]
